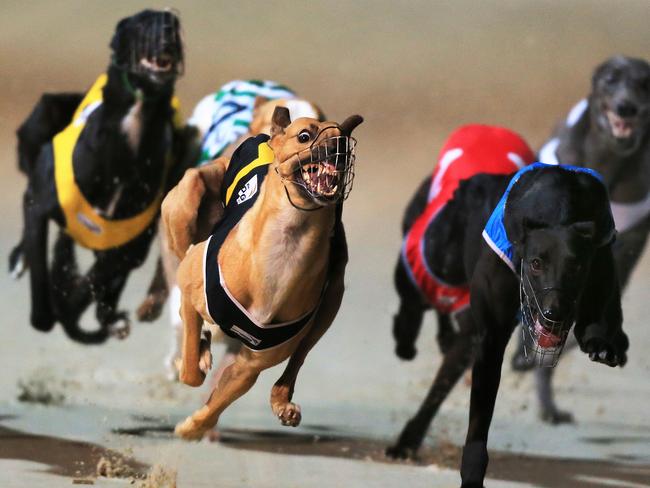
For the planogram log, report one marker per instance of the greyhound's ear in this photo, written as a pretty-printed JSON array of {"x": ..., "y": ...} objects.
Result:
[
  {"x": 586, "y": 229},
  {"x": 116, "y": 41},
  {"x": 319, "y": 112},
  {"x": 259, "y": 101},
  {"x": 280, "y": 120},
  {"x": 350, "y": 124}
]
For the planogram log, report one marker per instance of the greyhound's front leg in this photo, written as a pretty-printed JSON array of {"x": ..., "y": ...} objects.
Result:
[
  {"x": 282, "y": 391},
  {"x": 494, "y": 304},
  {"x": 236, "y": 380},
  {"x": 599, "y": 326},
  {"x": 455, "y": 362},
  {"x": 42, "y": 315},
  {"x": 486, "y": 376}
]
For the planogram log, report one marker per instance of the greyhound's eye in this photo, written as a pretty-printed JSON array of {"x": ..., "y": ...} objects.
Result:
[
  {"x": 536, "y": 264},
  {"x": 304, "y": 136}
]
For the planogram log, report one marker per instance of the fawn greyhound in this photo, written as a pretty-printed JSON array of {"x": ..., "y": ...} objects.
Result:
[
  {"x": 271, "y": 271},
  {"x": 237, "y": 111}
]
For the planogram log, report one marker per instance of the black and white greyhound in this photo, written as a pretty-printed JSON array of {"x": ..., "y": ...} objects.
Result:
[{"x": 98, "y": 165}]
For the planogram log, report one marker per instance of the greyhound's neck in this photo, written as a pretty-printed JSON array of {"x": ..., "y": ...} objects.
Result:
[
  {"x": 140, "y": 116},
  {"x": 288, "y": 251}
]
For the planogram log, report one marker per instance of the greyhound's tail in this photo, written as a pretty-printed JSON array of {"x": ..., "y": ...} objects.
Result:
[
  {"x": 77, "y": 334},
  {"x": 417, "y": 205}
]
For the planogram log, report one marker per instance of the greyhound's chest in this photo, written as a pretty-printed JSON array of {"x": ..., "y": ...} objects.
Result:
[{"x": 233, "y": 318}]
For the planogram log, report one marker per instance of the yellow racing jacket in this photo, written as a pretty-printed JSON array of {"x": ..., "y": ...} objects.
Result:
[{"x": 83, "y": 223}]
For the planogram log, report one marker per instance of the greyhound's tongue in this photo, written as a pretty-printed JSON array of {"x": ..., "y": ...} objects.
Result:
[
  {"x": 545, "y": 339},
  {"x": 621, "y": 129}
]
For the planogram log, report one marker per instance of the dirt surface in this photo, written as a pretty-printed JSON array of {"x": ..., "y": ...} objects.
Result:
[
  {"x": 415, "y": 70},
  {"x": 69, "y": 458}
]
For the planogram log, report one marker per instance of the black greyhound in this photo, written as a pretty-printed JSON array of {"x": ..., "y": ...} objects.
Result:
[
  {"x": 609, "y": 132},
  {"x": 98, "y": 166},
  {"x": 559, "y": 270}
]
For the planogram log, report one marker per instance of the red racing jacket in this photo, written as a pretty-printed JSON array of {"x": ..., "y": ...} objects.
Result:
[{"x": 470, "y": 150}]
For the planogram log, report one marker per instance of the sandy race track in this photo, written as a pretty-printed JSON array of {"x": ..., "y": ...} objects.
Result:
[{"x": 415, "y": 70}]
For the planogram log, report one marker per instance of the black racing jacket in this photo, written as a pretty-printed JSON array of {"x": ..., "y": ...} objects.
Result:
[{"x": 241, "y": 187}]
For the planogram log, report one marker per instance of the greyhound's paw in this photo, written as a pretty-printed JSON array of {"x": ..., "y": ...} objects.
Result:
[
  {"x": 602, "y": 351},
  {"x": 43, "y": 321},
  {"x": 289, "y": 414},
  {"x": 189, "y": 379},
  {"x": 406, "y": 351},
  {"x": 205, "y": 356},
  {"x": 519, "y": 362},
  {"x": 151, "y": 307},
  {"x": 399, "y": 451},
  {"x": 404, "y": 338},
  {"x": 178, "y": 365},
  {"x": 190, "y": 430},
  {"x": 120, "y": 328},
  {"x": 556, "y": 417},
  {"x": 17, "y": 264}
]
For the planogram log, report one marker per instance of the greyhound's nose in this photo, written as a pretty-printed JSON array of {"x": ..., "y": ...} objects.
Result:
[{"x": 626, "y": 109}]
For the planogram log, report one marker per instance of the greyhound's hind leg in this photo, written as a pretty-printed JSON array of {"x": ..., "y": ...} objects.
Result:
[
  {"x": 408, "y": 319},
  {"x": 42, "y": 314},
  {"x": 71, "y": 293},
  {"x": 152, "y": 305},
  {"x": 446, "y": 334},
  {"x": 548, "y": 410},
  {"x": 50, "y": 115},
  {"x": 518, "y": 359}
]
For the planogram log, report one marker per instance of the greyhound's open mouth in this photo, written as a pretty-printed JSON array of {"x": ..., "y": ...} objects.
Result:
[
  {"x": 325, "y": 171},
  {"x": 160, "y": 64},
  {"x": 321, "y": 179},
  {"x": 543, "y": 343},
  {"x": 546, "y": 339},
  {"x": 622, "y": 128},
  {"x": 548, "y": 334}
]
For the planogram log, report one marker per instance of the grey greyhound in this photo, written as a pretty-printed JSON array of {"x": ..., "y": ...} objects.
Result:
[{"x": 609, "y": 132}]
